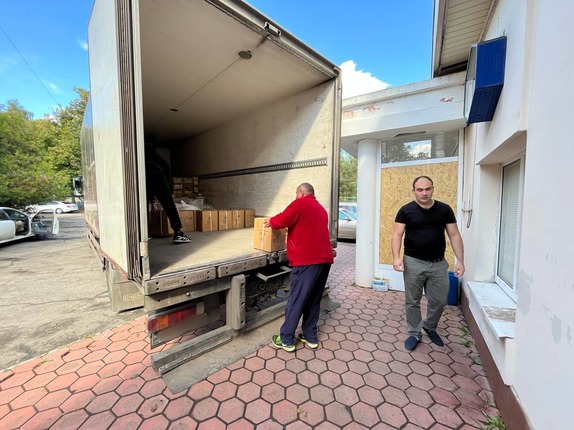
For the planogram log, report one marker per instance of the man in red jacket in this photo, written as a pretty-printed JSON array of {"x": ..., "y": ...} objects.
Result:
[{"x": 310, "y": 256}]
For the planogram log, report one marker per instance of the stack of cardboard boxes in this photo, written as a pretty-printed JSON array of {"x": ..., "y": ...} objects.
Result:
[
  {"x": 185, "y": 187},
  {"x": 197, "y": 220},
  {"x": 224, "y": 219},
  {"x": 203, "y": 220},
  {"x": 264, "y": 238},
  {"x": 207, "y": 220},
  {"x": 158, "y": 224}
]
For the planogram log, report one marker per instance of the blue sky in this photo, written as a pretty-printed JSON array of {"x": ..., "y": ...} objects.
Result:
[{"x": 378, "y": 43}]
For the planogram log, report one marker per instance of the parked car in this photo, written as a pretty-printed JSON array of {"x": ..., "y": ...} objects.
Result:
[
  {"x": 58, "y": 207},
  {"x": 17, "y": 225},
  {"x": 347, "y": 225},
  {"x": 349, "y": 207},
  {"x": 78, "y": 201}
]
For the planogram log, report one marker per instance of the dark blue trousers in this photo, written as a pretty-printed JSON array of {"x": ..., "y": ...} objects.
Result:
[{"x": 307, "y": 285}]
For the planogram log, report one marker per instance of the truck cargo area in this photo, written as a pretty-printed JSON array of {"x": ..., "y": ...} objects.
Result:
[
  {"x": 206, "y": 249},
  {"x": 232, "y": 99}
]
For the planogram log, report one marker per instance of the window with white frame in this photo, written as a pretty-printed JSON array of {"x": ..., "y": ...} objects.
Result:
[
  {"x": 421, "y": 146},
  {"x": 510, "y": 215}
]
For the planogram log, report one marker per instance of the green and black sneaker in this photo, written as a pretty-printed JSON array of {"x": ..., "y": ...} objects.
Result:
[
  {"x": 277, "y": 343},
  {"x": 311, "y": 345}
]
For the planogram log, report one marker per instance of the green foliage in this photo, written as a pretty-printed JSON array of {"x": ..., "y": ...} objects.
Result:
[
  {"x": 38, "y": 158},
  {"x": 493, "y": 423},
  {"x": 66, "y": 155},
  {"x": 348, "y": 176}
]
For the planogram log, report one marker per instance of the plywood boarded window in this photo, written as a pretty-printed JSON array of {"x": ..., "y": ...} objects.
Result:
[{"x": 396, "y": 191}]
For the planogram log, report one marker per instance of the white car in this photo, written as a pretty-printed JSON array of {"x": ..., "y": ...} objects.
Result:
[
  {"x": 17, "y": 225},
  {"x": 58, "y": 207}
]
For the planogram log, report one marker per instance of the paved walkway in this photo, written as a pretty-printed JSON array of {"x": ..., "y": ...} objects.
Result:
[{"x": 360, "y": 378}]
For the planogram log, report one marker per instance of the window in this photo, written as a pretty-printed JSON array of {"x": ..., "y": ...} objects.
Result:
[
  {"x": 422, "y": 146},
  {"x": 510, "y": 211}
]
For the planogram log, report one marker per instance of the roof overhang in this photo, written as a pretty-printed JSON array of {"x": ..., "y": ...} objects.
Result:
[{"x": 458, "y": 24}]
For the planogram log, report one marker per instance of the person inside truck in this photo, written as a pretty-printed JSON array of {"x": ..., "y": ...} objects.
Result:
[
  {"x": 159, "y": 184},
  {"x": 310, "y": 255}
]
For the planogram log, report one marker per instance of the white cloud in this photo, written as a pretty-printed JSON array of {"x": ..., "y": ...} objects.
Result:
[
  {"x": 52, "y": 87},
  {"x": 424, "y": 147},
  {"x": 357, "y": 82},
  {"x": 83, "y": 44}
]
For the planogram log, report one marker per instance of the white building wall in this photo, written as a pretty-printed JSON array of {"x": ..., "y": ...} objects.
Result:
[
  {"x": 535, "y": 355},
  {"x": 534, "y": 114},
  {"x": 545, "y": 318},
  {"x": 508, "y": 20}
]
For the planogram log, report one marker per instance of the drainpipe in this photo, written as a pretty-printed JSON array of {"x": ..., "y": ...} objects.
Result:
[{"x": 367, "y": 181}]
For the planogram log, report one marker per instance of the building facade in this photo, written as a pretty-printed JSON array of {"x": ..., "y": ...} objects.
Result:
[{"x": 507, "y": 178}]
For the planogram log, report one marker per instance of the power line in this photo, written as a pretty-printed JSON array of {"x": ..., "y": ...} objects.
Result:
[{"x": 30, "y": 67}]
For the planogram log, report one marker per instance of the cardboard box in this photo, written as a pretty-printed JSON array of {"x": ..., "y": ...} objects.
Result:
[
  {"x": 187, "y": 220},
  {"x": 225, "y": 219},
  {"x": 268, "y": 239},
  {"x": 238, "y": 218},
  {"x": 206, "y": 220},
  {"x": 249, "y": 217},
  {"x": 158, "y": 224}
]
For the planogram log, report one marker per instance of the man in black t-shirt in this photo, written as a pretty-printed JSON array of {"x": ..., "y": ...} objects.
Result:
[{"x": 423, "y": 223}]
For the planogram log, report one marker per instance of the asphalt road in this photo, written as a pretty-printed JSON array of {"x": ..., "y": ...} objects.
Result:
[{"x": 53, "y": 293}]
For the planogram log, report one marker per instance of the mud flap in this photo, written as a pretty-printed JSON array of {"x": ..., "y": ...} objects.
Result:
[{"x": 124, "y": 294}]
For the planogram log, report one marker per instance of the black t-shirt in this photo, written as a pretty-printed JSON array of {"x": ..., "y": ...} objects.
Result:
[{"x": 425, "y": 229}]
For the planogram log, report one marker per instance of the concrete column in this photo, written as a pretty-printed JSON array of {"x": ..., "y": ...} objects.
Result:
[{"x": 367, "y": 180}]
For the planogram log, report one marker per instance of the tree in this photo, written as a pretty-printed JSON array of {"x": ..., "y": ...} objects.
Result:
[
  {"x": 65, "y": 155},
  {"x": 25, "y": 174},
  {"x": 39, "y": 158},
  {"x": 347, "y": 176}
]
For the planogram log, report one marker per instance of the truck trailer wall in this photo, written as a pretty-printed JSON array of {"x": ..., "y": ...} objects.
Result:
[
  {"x": 296, "y": 133},
  {"x": 106, "y": 120}
]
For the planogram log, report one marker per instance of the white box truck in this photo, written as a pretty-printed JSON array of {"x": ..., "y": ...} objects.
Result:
[{"x": 229, "y": 97}]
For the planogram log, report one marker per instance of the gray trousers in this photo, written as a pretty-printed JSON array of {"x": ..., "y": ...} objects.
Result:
[{"x": 422, "y": 275}]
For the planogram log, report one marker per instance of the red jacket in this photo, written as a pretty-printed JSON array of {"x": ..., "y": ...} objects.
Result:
[{"x": 308, "y": 240}]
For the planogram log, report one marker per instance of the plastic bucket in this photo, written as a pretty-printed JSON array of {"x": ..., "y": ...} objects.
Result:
[{"x": 453, "y": 290}]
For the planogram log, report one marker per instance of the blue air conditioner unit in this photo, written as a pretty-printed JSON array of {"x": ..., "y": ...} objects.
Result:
[{"x": 484, "y": 79}]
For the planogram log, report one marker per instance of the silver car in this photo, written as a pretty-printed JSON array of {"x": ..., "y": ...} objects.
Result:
[
  {"x": 17, "y": 225},
  {"x": 349, "y": 207},
  {"x": 347, "y": 225}
]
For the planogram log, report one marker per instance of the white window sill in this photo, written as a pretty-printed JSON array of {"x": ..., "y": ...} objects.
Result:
[{"x": 497, "y": 307}]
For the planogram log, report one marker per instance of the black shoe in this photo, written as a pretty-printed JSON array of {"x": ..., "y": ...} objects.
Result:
[
  {"x": 412, "y": 342},
  {"x": 180, "y": 237},
  {"x": 434, "y": 337}
]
